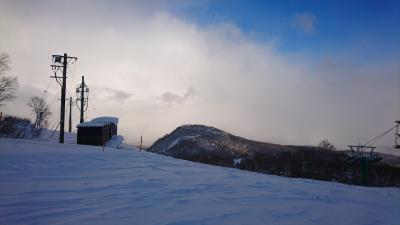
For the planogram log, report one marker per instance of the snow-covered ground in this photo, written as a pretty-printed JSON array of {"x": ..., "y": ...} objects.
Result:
[{"x": 42, "y": 182}]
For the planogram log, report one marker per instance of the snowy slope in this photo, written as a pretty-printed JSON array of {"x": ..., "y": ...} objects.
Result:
[{"x": 42, "y": 182}]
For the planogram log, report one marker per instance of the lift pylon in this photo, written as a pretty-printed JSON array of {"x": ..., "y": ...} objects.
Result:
[{"x": 360, "y": 153}]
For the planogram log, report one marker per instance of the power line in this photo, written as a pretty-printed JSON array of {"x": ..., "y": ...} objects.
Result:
[
  {"x": 45, "y": 91},
  {"x": 72, "y": 74},
  {"x": 53, "y": 99}
]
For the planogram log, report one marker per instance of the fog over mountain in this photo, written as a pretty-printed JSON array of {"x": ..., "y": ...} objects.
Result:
[{"x": 155, "y": 67}]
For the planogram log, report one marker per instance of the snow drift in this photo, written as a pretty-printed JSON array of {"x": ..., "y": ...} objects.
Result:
[{"x": 42, "y": 182}]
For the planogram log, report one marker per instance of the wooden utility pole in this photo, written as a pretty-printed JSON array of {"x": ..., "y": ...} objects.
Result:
[
  {"x": 63, "y": 88},
  {"x": 83, "y": 100},
  {"x": 397, "y": 140},
  {"x": 70, "y": 115},
  {"x": 61, "y": 62},
  {"x": 141, "y": 141}
]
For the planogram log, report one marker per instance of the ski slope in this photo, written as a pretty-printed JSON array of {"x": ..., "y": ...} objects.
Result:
[{"x": 42, "y": 182}]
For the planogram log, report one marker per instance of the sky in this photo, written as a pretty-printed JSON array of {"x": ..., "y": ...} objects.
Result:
[{"x": 288, "y": 72}]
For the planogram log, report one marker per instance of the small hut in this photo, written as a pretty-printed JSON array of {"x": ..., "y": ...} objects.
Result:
[{"x": 97, "y": 131}]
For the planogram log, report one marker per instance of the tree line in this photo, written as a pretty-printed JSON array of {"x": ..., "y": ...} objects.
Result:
[{"x": 8, "y": 89}]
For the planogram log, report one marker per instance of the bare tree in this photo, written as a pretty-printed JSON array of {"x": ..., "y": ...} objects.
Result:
[
  {"x": 326, "y": 144},
  {"x": 8, "y": 85},
  {"x": 41, "y": 110}
]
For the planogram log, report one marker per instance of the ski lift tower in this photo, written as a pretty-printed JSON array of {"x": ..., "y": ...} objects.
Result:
[{"x": 364, "y": 154}]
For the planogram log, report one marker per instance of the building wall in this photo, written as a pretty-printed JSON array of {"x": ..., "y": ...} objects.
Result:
[{"x": 94, "y": 135}]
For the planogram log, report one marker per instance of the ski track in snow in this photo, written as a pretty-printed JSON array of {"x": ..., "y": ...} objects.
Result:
[
  {"x": 49, "y": 183},
  {"x": 177, "y": 140}
]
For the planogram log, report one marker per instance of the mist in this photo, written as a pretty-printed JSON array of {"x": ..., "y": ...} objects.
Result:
[{"x": 156, "y": 70}]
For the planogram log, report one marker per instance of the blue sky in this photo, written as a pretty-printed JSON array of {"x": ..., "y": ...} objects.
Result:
[{"x": 370, "y": 26}]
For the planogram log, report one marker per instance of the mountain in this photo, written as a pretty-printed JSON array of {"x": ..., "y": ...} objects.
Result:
[
  {"x": 210, "y": 145},
  {"x": 44, "y": 182},
  {"x": 202, "y": 143}
]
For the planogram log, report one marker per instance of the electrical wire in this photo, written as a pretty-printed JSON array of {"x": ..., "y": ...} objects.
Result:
[
  {"x": 74, "y": 72},
  {"x": 48, "y": 86},
  {"x": 72, "y": 75},
  {"x": 54, "y": 98}
]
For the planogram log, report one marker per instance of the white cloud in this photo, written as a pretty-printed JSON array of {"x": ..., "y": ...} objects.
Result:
[{"x": 242, "y": 86}]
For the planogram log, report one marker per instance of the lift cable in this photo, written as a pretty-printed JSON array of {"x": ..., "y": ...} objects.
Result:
[{"x": 377, "y": 138}]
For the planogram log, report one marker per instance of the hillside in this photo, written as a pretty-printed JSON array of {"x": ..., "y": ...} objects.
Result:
[
  {"x": 43, "y": 182},
  {"x": 213, "y": 146}
]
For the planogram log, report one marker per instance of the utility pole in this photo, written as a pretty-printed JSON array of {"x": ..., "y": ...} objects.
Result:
[
  {"x": 70, "y": 115},
  {"x": 141, "y": 141},
  {"x": 81, "y": 91},
  {"x": 61, "y": 62},
  {"x": 397, "y": 144},
  {"x": 63, "y": 88},
  {"x": 82, "y": 101}
]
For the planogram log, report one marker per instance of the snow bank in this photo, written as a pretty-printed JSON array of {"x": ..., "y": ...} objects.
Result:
[
  {"x": 49, "y": 183},
  {"x": 237, "y": 161},
  {"x": 115, "y": 141}
]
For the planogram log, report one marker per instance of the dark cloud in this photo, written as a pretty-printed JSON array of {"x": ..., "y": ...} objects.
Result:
[
  {"x": 169, "y": 97},
  {"x": 107, "y": 93}
]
